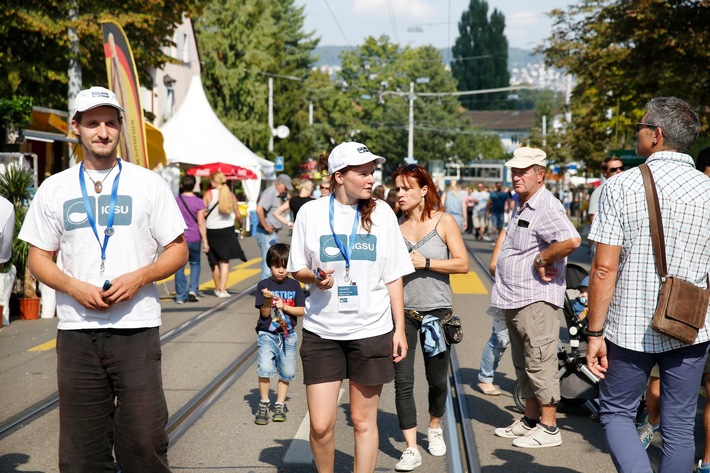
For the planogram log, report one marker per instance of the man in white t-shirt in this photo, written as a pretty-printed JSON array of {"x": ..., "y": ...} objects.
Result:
[{"x": 109, "y": 220}]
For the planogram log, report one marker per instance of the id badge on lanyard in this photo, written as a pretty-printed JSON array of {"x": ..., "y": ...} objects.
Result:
[{"x": 348, "y": 300}]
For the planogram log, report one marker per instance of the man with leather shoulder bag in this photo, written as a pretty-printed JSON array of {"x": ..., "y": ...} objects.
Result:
[{"x": 625, "y": 287}]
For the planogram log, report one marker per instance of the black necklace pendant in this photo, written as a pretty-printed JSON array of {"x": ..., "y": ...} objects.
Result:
[{"x": 98, "y": 187}]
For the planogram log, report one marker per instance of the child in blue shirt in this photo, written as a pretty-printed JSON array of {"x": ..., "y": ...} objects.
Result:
[{"x": 280, "y": 300}]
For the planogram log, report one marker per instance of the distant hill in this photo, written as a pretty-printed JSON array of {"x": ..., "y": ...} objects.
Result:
[
  {"x": 329, "y": 56},
  {"x": 524, "y": 66}
]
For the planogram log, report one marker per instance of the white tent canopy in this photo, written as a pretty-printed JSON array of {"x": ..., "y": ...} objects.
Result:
[{"x": 195, "y": 135}]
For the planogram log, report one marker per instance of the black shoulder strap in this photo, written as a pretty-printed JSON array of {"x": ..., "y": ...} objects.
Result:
[{"x": 194, "y": 217}]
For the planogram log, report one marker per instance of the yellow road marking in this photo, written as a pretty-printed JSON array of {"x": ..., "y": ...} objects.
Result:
[
  {"x": 50, "y": 345},
  {"x": 467, "y": 284}
]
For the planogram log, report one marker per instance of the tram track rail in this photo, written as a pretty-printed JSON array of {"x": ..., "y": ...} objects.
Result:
[
  {"x": 48, "y": 404},
  {"x": 464, "y": 459}
]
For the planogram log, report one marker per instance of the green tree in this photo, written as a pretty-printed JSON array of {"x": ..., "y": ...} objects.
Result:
[
  {"x": 480, "y": 57},
  {"x": 623, "y": 54},
  {"x": 377, "y": 77},
  {"x": 243, "y": 43},
  {"x": 35, "y": 53},
  {"x": 235, "y": 37}
]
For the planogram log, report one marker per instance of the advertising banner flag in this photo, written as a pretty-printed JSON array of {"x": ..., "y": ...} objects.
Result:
[{"x": 123, "y": 81}]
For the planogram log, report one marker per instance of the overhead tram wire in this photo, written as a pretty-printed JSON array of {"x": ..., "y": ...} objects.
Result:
[
  {"x": 393, "y": 20},
  {"x": 337, "y": 23}
]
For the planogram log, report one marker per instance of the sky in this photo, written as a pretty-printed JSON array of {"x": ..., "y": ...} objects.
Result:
[{"x": 422, "y": 22}]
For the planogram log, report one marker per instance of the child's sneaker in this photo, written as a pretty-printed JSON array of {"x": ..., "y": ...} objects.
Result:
[
  {"x": 702, "y": 467},
  {"x": 646, "y": 432},
  {"x": 279, "y": 412},
  {"x": 262, "y": 414}
]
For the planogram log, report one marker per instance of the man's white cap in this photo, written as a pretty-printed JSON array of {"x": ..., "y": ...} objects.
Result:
[
  {"x": 351, "y": 154},
  {"x": 525, "y": 157},
  {"x": 92, "y": 98}
]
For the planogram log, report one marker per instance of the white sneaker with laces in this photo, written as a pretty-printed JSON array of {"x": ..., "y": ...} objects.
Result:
[
  {"x": 539, "y": 437},
  {"x": 410, "y": 459},
  {"x": 437, "y": 446},
  {"x": 514, "y": 430}
]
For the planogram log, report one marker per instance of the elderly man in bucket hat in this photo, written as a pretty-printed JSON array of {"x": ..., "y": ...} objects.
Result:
[{"x": 529, "y": 287}]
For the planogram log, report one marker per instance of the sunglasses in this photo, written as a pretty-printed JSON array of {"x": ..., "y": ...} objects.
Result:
[
  {"x": 616, "y": 169},
  {"x": 325, "y": 187},
  {"x": 409, "y": 167},
  {"x": 640, "y": 126}
]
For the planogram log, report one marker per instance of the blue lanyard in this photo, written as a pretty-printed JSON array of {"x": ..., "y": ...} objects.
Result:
[
  {"x": 346, "y": 252},
  {"x": 111, "y": 212}
]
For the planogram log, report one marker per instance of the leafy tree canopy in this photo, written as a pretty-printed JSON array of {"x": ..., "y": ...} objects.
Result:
[
  {"x": 35, "y": 52},
  {"x": 623, "y": 54}
]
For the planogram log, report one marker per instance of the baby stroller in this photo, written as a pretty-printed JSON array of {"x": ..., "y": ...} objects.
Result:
[{"x": 578, "y": 385}]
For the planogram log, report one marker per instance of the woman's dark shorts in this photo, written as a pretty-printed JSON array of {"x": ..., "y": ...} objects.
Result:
[{"x": 367, "y": 361}]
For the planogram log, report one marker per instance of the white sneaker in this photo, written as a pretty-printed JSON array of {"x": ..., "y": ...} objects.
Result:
[
  {"x": 222, "y": 294},
  {"x": 410, "y": 459},
  {"x": 539, "y": 437},
  {"x": 437, "y": 446},
  {"x": 514, "y": 430}
]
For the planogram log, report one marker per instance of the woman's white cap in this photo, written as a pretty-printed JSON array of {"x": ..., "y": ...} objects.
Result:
[{"x": 351, "y": 154}]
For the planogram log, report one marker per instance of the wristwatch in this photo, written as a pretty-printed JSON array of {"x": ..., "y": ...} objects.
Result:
[
  {"x": 538, "y": 260},
  {"x": 589, "y": 333}
]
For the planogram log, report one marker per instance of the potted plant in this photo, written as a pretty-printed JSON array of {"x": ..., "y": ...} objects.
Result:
[{"x": 16, "y": 186}]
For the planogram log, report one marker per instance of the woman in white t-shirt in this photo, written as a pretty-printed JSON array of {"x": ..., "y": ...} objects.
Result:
[
  {"x": 222, "y": 211},
  {"x": 354, "y": 322}
]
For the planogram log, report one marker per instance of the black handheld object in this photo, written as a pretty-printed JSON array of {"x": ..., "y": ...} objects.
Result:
[
  {"x": 107, "y": 285},
  {"x": 320, "y": 274}
]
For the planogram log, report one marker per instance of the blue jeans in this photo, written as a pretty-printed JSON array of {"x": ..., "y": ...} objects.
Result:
[
  {"x": 111, "y": 400},
  {"x": 494, "y": 350},
  {"x": 265, "y": 241},
  {"x": 277, "y": 354},
  {"x": 195, "y": 253},
  {"x": 620, "y": 393}
]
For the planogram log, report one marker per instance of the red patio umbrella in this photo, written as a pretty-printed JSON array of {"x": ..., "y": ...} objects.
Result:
[{"x": 229, "y": 170}]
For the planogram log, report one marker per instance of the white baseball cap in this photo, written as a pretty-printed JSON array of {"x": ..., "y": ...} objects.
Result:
[
  {"x": 94, "y": 97},
  {"x": 525, "y": 156},
  {"x": 351, "y": 154}
]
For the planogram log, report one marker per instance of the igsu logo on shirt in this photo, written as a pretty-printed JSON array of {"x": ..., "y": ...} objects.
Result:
[
  {"x": 75, "y": 214},
  {"x": 364, "y": 249}
]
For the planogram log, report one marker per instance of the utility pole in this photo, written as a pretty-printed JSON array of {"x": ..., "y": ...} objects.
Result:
[
  {"x": 271, "y": 115},
  {"x": 410, "y": 141}
]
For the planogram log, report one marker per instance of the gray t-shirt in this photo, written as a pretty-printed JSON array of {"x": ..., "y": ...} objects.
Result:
[{"x": 270, "y": 201}]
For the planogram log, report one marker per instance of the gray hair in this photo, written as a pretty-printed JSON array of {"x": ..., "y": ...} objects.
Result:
[{"x": 679, "y": 122}]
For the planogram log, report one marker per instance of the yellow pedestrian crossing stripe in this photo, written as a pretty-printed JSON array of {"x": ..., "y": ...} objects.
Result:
[
  {"x": 50, "y": 345},
  {"x": 468, "y": 283}
]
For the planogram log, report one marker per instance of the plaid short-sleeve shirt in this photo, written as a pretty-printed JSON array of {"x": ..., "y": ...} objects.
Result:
[
  {"x": 622, "y": 220},
  {"x": 534, "y": 226}
]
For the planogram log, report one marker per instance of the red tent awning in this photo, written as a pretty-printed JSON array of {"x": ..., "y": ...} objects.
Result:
[{"x": 230, "y": 171}]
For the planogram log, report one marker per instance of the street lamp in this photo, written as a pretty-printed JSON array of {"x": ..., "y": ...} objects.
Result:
[{"x": 281, "y": 131}]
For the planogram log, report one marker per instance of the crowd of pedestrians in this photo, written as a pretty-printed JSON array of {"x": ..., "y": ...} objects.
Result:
[{"x": 377, "y": 276}]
